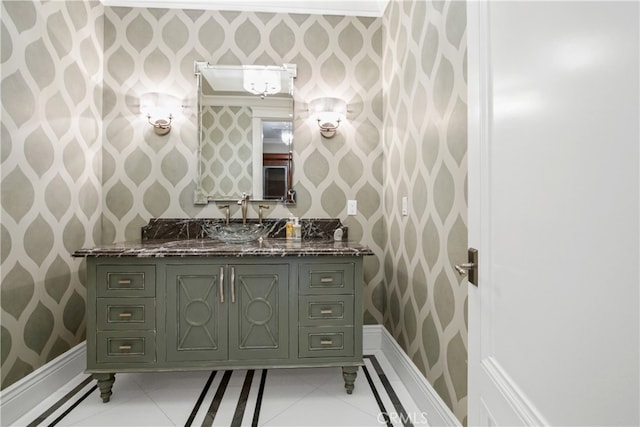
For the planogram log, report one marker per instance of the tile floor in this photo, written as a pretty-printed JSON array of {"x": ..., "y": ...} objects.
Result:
[{"x": 275, "y": 397}]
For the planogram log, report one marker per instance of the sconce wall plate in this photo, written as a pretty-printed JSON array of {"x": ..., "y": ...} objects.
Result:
[
  {"x": 159, "y": 108},
  {"x": 160, "y": 126},
  {"x": 328, "y": 112}
]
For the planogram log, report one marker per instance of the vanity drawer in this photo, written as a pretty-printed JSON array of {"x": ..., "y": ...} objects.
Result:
[
  {"x": 316, "y": 310},
  {"x": 126, "y": 281},
  {"x": 129, "y": 313},
  {"x": 326, "y": 278},
  {"x": 126, "y": 347},
  {"x": 326, "y": 342}
]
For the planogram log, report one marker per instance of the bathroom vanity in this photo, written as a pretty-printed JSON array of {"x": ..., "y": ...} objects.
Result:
[{"x": 178, "y": 300}]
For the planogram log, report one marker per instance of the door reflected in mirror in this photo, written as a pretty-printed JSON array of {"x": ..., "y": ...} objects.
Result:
[
  {"x": 246, "y": 135},
  {"x": 276, "y": 159}
]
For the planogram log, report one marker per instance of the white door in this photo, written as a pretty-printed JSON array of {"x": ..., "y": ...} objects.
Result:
[{"x": 553, "y": 210}]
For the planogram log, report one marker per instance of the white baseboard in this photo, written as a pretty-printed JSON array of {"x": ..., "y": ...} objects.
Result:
[
  {"x": 20, "y": 397},
  {"x": 371, "y": 338},
  {"x": 423, "y": 393},
  {"x": 17, "y": 399}
]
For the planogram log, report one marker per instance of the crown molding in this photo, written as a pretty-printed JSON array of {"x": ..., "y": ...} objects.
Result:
[{"x": 368, "y": 8}]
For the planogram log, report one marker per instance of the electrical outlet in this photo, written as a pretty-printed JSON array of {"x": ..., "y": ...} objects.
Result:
[
  {"x": 405, "y": 206},
  {"x": 352, "y": 207}
]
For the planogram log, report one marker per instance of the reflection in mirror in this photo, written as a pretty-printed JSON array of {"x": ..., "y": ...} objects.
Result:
[
  {"x": 276, "y": 158},
  {"x": 245, "y": 125}
]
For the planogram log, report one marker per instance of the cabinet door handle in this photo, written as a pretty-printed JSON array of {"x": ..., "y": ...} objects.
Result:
[
  {"x": 124, "y": 347},
  {"x": 326, "y": 280},
  {"x": 326, "y": 311},
  {"x": 326, "y": 342},
  {"x": 233, "y": 285},
  {"x": 124, "y": 315},
  {"x": 221, "y": 285},
  {"x": 124, "y": 282}
]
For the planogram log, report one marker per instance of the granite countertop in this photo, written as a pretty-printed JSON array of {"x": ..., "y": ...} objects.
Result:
[
  {"x": 188, "y": 238},
  {"x": 212, "y": 247}
]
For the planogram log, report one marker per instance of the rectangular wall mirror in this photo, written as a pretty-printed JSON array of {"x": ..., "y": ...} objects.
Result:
[{"x": 245, "y": 130}]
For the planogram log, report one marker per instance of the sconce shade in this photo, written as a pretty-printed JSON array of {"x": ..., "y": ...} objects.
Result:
[
  {"x": 159, "y": 108},
  {"x": 328, "y": 112},
  {"x": 261, "y": 81},
  {"x": 286, "y": 136}
]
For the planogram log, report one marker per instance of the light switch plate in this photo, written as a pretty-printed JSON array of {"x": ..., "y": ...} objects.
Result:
[
  {"x": 405, "y": 206},
  {"x": 352, "y": 207}
]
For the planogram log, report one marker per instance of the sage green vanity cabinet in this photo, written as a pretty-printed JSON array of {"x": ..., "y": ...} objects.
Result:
[
  {"x": 205, "y": 322},
  {"x": 205, "y": 313}
]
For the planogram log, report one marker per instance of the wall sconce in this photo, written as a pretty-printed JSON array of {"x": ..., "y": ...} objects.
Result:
[
  {"x": 286, "y": 136},
  {"x": 329, "y": 112},
  {"x": 261, "y": 81},
  {"x": 160, "y": 109}
]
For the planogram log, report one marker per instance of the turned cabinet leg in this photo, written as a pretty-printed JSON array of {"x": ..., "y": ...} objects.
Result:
[
  {"x": 349, "y": 374},
  {"x": 105, "y": 383}
]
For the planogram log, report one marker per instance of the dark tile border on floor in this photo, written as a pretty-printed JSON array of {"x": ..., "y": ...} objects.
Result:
[
  {"x": 46, "y": 414},
  {"x": 243, "y": 399}
]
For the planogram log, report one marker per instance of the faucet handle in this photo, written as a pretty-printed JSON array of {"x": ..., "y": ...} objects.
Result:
[
  {"x": 260, "y": 208},
  {"x": 227, "y": 212}
]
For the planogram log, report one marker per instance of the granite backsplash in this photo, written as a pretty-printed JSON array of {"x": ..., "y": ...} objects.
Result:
[{"x": 195, "y": 228}]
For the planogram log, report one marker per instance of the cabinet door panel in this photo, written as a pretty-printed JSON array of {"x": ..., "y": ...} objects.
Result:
[
  {"x": 258, "y": 313},
  {"x": 196, "y": 320}
]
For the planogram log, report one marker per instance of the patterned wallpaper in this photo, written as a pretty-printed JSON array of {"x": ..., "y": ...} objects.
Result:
[
  {"x": 152, "y": 50},
  {"x": 66, "y": 65},
  {"x": 226, "y": 161},
  {"x": 425, "y": 145},
  {"x": 62, "y": 189},
  {"x": 51, "y": 193}
]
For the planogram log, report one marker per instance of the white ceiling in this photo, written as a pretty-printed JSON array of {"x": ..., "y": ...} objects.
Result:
[{"x": 373, "y": 8}]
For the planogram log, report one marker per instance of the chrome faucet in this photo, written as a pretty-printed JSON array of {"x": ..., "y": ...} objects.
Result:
[
  {"x": 260, "y": 208},
  {"x": 244, "y": 203},
  {"x": 226, "y": 213}
]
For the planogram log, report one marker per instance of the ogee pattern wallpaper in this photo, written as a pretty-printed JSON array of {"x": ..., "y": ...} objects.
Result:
[
  {"x": 425, "y": 145},
  {"x": 152, "y": 50},
  {"x": 51, "y": 192},
  {"x": 60, "y": 191},
  {"x": 226, "y": 161},
  {"x": 80, "y": 165}
]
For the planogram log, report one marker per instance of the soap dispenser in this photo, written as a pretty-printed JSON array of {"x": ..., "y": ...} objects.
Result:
[
  {"x": 289, "y": 229},
  {"x": 297, "y": 229}
]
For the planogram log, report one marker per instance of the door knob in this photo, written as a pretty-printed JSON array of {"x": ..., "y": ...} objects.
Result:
[{"x": 470, "y": 267}]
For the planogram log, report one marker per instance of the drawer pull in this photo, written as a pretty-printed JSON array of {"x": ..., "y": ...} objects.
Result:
[
  {"x": 124, "y": 347},
  {"x": 326, "y": 311},
  {"x": 326, "y": 342},
  {"x": 326, "y": 280},
  {"x": 124, "y": 282},
  {"x": 125, "y": 315}
]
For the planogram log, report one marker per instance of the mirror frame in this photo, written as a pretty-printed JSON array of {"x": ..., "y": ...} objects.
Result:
[{"x": 200, "y": 197}]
